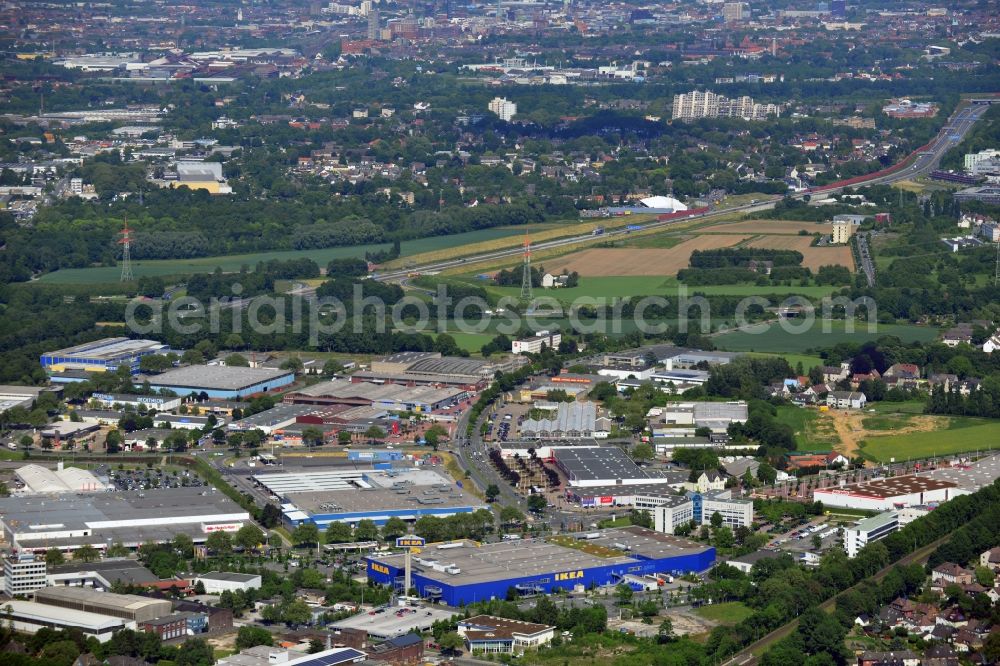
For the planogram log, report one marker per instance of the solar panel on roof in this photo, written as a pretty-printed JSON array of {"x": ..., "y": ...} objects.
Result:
[{"x": 341, "y": 657}]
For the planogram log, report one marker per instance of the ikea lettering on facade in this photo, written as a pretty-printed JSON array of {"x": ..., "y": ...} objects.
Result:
[
  {"x": 381, "y": 568},
  {"x": 569, "y": 575}
]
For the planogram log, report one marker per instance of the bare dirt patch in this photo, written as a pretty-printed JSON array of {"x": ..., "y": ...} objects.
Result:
[
  {"x": 606, "y": 262},
  {"x": 812, "y": 257},
  {"x": 851, "y": 430}
]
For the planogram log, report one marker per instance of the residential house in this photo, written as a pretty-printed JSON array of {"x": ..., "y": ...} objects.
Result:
[
  {"x": 948, "y": 573},
  {"x": 834, "y": 374},
  {"x": 708, "y": 480},
  {"x": 991, "y": 559},
  {"x": 940, "y": 655},
  {"x": 893, "y": 658},
  {"x": 846, "y": 400},
  {"x": 902, "y": 371}
]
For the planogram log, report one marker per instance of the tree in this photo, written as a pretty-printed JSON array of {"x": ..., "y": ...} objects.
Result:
[
  {"x": 537, "y": 504},
  {"x": 86, "y": 553},
  {"x": 293, "y": 363},
  {"x": 249, "y": 637},
  {"x": 510, "y": 515},
  {"x": 270, "y": 516},
  {"x": 249, "y": 537},
  {"x": 344, "y": 437},
  {"x": 375, "y": 433},
  {"x": 219, "y": 543},
  {"x": 716, "y": 520},
  {"x": 666, "y": 628},
  {"x": 366, "y": 530},
  {"x": 305, "y": 534},
  {"x": 450, "y": 643},
  {"x": 434, "y": 435},
  {"x": 394, "y": 527},
  {"x": 296, "y": 613},
  {"x": 624, "y": 593},
  {"x": 195, "y": 652},
  {"x": 117, "y": 549},
  {"x": 237, "y": 360},
  {"x": 643, "y": 451},
  {"x": 184, "y": 545},
  {"x": 337, "y": 532},
  {"x": 723, "y": 538},
  {"x": 54, "y": 557},
  {"x": 492, "y": 492},
  {"x": 312, "y": 436}
]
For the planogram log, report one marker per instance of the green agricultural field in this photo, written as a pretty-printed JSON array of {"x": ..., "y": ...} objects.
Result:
[
  {"x": 911, "y": 446},
  {"x": 808, "y": 361},
  {"x": 908, "y": 407},
  {"x": 232, "y": 263},
  {"x": 625, "y": 286},
  {"x": 730, "y": 612},
  {"x": 811, "y": 432},
  {"x": 772, "y": 338},
  {"x": 471, "y": 342}
]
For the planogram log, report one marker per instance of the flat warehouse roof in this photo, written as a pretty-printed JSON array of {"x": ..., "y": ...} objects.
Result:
[
  {"x": 892, "y": 487},
  {"x": 642, "y": 489},
  {"x": 308, "y": 482},
  {"x": 531, "y": 557},
  {"x": 129, "y": 602},
  {"x": 596, "y": 463},
  {"x": 217, "y": 377},
  {"x": 378, "y": 392},
  {"x": 75, "y": 511},
  {"x": 30, "y": 611},
  {"x": 108, "y": 348}
]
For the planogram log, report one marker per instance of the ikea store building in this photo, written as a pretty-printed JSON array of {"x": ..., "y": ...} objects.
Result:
[{"x": 463, "y": 572}]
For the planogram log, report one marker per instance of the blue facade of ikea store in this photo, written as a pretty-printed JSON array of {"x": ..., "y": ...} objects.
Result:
[{"x": 457, "y": 593}]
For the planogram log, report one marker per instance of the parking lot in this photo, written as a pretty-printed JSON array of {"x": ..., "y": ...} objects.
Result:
[
  {"x": 390, "y": 621},
  {"x": 147, "y": 479}
]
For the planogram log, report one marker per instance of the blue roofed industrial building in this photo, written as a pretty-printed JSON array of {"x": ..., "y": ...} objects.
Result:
[
  {"x": 104, "y": 355},
  {"x": 221, "y": 381},
  {"x": 465, "y": 572},
  {"x": 351, "y": 495}
]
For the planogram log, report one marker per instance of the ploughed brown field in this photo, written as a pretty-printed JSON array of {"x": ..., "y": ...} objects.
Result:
[
  {"x": 767, "y": 227},
  {"x": 812, "y": 257},
  {"x": 599, "y": 261}
]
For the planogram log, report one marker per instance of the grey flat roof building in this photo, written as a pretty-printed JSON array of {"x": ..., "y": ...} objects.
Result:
[
  {"x": 596, "y": 466},
  {"x": 130, "y": 607},
  {"x": 217, "y": 377}
]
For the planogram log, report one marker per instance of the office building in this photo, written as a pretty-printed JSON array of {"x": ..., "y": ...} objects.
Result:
[
  {"x": 503, "y": 107},
  {"x": 534, "y": 344},
  {"x": 869, "y": 530},
  {"x": 734, "y": 12},
  {"x": 670, "y": 515},
  {"x": 734, "y": 512},
  {"x": 842, "y": 232},
  {"x": 104, "y": 355},
  {"x": 706, "y": 104},
  {"x": 373, "y": 25},
  {"x": 23, "y": 573},
  {"x": 486, "y": 634}
]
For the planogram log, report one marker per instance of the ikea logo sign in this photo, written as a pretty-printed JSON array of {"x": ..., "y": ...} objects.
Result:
[
  {"x": 381, "y": 568},
  {"x": 569, "y": 575}
]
